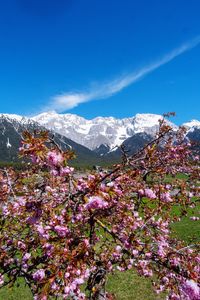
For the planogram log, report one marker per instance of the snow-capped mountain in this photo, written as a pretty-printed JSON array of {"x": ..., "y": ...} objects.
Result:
[
  {"x": 99, "y": 131},
  {"x": 11, "y": 129},
  {"x": 191, "y": 125}
]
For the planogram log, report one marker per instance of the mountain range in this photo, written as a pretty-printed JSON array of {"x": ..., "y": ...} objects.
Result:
[
  {"x": 107, "y": 131},
  {"x": 94, "y": 141},
  {"x": 12, "y": 128}
]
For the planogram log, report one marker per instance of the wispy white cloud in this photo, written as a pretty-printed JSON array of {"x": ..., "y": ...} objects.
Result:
[{"x": 70, "y": 100}]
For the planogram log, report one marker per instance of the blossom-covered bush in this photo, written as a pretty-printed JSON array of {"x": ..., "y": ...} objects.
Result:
[{"x": 65, "y": 235}]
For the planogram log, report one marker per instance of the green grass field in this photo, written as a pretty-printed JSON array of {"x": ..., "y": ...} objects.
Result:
[{"x": 125, "y": 285}]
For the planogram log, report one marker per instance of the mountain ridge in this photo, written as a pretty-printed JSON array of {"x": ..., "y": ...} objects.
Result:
[
  {"x": 100, "y": 137},
  {"x": 98, "y": 131}
]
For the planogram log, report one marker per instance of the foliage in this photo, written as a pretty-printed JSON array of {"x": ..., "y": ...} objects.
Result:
[{"x": 65, "y": 235}]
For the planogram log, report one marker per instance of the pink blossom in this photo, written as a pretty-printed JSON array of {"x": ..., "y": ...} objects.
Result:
[
  {"x": 191, "y": 290},
  {"x": 79, "y": 281},
  {"x": 54, "y": 172},
  {"x": 194, "y": 218},
  {"x": 198, "y": 259},
  {"x": 141, "y": 192},
  {"x": 161, "y": 251},
  {"x": 96, "y": 202},
  {"x": 136, "y": 214},
  {"x": 190, "y": 194},
  {"x": 86, "y": 242},
  {"x": 54, "y": 158},
  {"x": 78, "y": 272},
  {"x": 87, "y": 273},
  {"x": 175, "y": 261},
  {"x": 82, "y": 185},
  {"x": 40, "y": 297},
  {"x": 66, "y": 171},
  {"x": 55, "y": 286},
  {"x": 49, "y": 248},
  {"x": 5, "y": 210},
  {"x": 143, "y": 264},
  {"x": 48, "y": 189},
  {"x": 61, "y": 230},
  {"x": 1, "y": 279},
  {"x": 165, "y": 197},
  {"x": 26, "y": 256},
  {"x": 91, "y": 177},
  {"x": 67, "y": 275},
  {"x": 165, "y": 280},
  {"x": 168, "y": 186},
  {"x": 148, "y": 254},
  {"x": 34, "y": 158},
  {"x": 135, "y": 252},
  {"x": 42, "y": 231},
  {"x": 118, "y": 249},
  {"x": 39, "y": 275},
  {"x": 160, "y": 289},
  {"x": 21, "y": 245},
  {"x": 67, "y": 290},
  {"x": 174, "y": 296},
  {"x": 149, "y": 193},
  {"x": 19, "y": 202}
]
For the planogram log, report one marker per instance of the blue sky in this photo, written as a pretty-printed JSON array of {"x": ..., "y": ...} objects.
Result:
[{"x": 109, "y": 58}]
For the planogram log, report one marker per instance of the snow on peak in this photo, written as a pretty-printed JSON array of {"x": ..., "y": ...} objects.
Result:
[
  {"x": 146, "y": 118},
  {"x": 100, "y": 130},
  {"x": 192, "y": 123},
  {"x": 144, "y": 121},
  {"x": 13, "y": 117},
  {"x": 45, "y": 116}
]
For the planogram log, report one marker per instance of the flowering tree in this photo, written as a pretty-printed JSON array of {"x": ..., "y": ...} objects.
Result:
[{"x": 64, "y": 235}]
